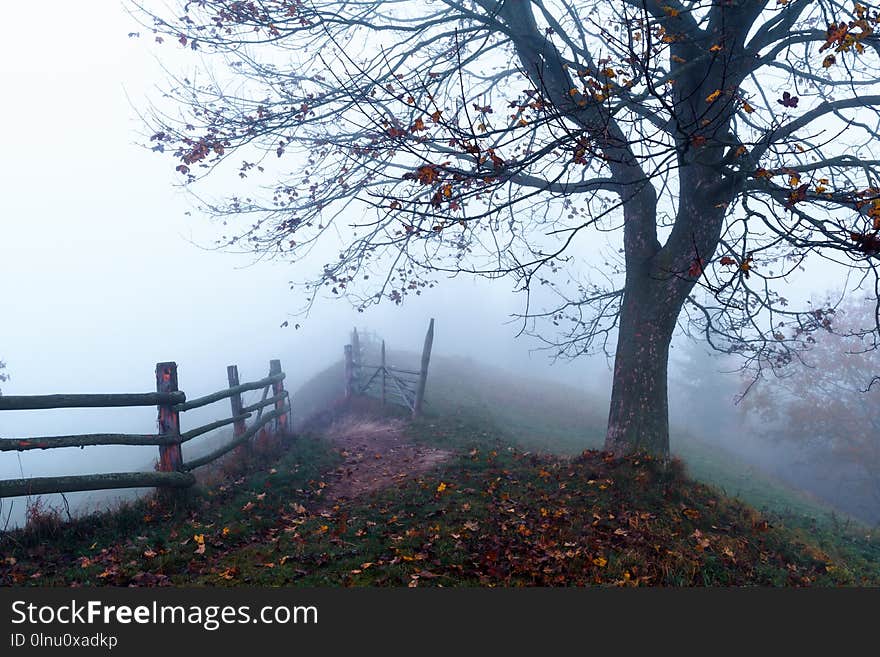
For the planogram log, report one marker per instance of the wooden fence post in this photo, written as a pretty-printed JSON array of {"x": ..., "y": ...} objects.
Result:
[
  {"x": 423, "y": 374},
  {"x": 282, "y": 424},
  {"x": 349, "y": 372},
  {"x": 170, "y": 456},
  {"x": 384, "y": 372},
  {"x": 239, "y": 426},
  {"x": 356, "y": 348}
]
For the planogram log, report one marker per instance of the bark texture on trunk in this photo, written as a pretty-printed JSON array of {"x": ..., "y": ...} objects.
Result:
[
  {"x": 639, "y": 414},
  {"x": 658, "y": 281}
]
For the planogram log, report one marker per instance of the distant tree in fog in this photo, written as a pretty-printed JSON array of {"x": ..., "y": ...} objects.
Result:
[
  {"x": 3, "y": 375},
  {"x": 704, "y": 389},
  {"x": 829, "y": 402},
  {"x": 723, "y": 145}
]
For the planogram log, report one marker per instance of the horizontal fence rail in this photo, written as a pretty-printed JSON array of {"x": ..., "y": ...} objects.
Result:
[
  {"x": 228, "y": 392},
  {"x": 400, "y": 371},
  {"x": 198, "y": 431},
  {"x": 74, "y": 483},
  {"x": 112, "y": 400},
  {"x": 265, "y": 402},
  {"x": 82, "y": 440},
  {"x": 228, "y": 447},
  {"x": 173, "y": 471}
]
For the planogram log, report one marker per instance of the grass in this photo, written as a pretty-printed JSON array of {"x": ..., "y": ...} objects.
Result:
[
  {"x": 559, "y": 419},
  {"x": 153, "y": 541},
  {"x": 504, "y": 511}
]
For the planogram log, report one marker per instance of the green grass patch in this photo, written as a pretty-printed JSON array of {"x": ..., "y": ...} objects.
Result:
[
  {"x": 158, "y": 540},
  {"x": 498, "y": 516}
]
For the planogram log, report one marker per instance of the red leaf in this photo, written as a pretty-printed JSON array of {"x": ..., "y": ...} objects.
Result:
[{"x": 696, "y": 268}]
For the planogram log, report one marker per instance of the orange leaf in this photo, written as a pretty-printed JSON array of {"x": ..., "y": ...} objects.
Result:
[
  {"x": 229, "y": 573},
  {"x": 835, "y": 34},
  {"x": 427, "y": 174}
]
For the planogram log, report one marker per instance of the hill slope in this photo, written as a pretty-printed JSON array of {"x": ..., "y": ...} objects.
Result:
[
  {"x": 540, "y": 415},
  {"x": 455, "y": 499}
]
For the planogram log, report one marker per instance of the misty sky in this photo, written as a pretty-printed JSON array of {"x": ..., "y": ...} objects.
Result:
[{"x": 103, "y": 273}]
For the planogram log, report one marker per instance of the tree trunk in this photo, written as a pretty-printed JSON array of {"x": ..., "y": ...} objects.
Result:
[
  {"x": 639, "y": 414},
  {"x": 658, "y": 281}
]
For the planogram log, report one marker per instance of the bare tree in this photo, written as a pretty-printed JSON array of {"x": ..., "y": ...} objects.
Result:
[{"x": 721, "y": 146}]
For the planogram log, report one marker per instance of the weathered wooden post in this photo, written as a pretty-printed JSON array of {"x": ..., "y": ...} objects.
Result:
[
  {"x": 356, "y": 347},
  {"x": 384, "y": 372},
  {"x": 349, "y": 372},
  {"x": 423, "y": 374},
  {"x": 283, "y": 421},
  {"x": 170, "y": 457},
  {"x": 239, "y": 426}
]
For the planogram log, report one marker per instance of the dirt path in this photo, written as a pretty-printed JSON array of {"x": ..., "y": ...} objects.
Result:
[{"x": 377, "y": 455}]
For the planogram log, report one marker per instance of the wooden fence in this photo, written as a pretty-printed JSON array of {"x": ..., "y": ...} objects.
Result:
[
  {"x": 172, "y": 471},
  {"x": 388, "y": 383}
]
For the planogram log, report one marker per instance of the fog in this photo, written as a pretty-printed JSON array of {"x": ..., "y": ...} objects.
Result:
[
  {"x": 105, "y": 269},
  {"x": 105, "y": 265}
]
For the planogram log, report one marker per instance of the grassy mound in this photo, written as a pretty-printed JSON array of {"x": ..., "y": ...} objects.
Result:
[
  {"x": 492, "y": 515},
  {"x": 537, "y": 415},
  {"x": 498, "y": 510}
]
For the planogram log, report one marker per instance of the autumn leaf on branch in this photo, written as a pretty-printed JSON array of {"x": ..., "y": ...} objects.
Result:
[
  {"x": 797, "y": 195},
  {"x": 427, "y": 174},
  {"x": 868, "y": 244},
  {"x": 788, "y": 100},
  {"x": 836, "y": 33}
]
